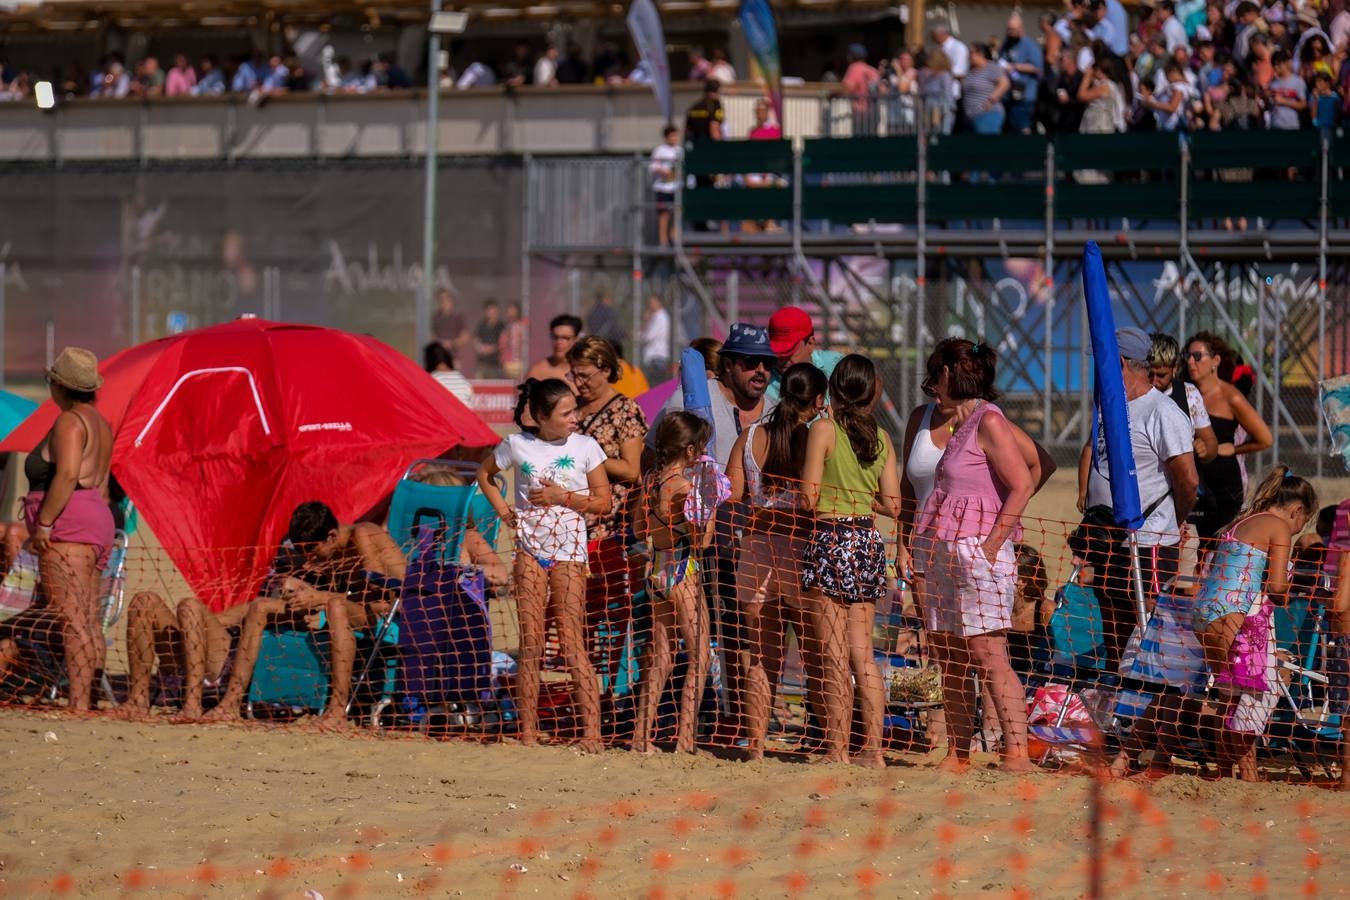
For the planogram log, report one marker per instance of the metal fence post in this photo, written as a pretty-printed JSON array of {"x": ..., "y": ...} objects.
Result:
[
  {"x": 135, "y": 305},
  {"x": 1322, "y": 211},
  {"x": 639, "y": 238},
  {"x": 1049, "y": 311},
  {"x": 921, "y": 248},
  {"x": 422, "y": 303},
  {"x": 526, "y": 232},
  {"x": 4, "y": 274}
]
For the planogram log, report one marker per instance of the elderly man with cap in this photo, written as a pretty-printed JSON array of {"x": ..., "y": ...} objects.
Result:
[
  {"x": 1162, "y": 440},
  {"x": 792, "y": 337}
]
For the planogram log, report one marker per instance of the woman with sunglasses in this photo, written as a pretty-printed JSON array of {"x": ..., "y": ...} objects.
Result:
[
  {"x": 963, "y": 542},
  {"x": 1221, "y": 479}
]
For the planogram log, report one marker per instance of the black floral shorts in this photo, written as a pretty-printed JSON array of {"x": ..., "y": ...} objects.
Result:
[
  {"x": 1338, "y": 674},
  {"x": 846, "y": 561}
]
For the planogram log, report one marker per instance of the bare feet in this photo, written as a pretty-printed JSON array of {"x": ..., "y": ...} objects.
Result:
[
  {"x": 830, "y": 759},
  {"x": 189, "y": 714},
  {"x": 644, "y": 748},
  {"x": 954, "y": 764},
  {"x": 130, "y": 712},
  {"x": 870, "y": 760},
  {"x": 528, "y": 738},
  {"x": 1017, "y": 763},
  {"x": 591, "y": 745},
  {"x": 330, "y": 721},
  {"x": 224, "y": 712},
  {"x": 754, "y": 754}
]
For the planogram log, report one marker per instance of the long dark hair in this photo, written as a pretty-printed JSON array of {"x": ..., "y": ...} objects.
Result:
[
  {"x": 541, "y": 396},
  {"x": 853, "y": 390},
  {"x": 802, "y": 385},
  {"x": 971, "y": 369}
]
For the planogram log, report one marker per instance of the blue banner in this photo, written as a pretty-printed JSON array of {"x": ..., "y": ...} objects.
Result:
[
  {"x": 1109, "y": 391},
  {"x": 694, "y": 388}
]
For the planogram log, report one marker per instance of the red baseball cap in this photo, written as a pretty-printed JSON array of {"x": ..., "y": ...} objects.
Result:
[{"x": 788, "y": 327}]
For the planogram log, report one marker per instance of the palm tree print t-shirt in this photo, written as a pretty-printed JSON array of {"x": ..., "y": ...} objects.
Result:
[{"x": 550, "y": 532}]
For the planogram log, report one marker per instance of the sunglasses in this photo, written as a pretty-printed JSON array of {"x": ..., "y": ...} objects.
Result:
[
  {"x": 1196, "y": 356},
  {"x": 751, "y": 363}
]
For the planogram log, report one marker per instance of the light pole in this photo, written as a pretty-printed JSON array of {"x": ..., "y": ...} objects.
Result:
[{"x": 440, "y": 23}]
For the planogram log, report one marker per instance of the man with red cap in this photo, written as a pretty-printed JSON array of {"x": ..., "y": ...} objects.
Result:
[{"x": 792, "y": 338}]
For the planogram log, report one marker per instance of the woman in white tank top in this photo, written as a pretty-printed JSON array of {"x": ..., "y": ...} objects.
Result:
[{"x": 768, "y": 567}]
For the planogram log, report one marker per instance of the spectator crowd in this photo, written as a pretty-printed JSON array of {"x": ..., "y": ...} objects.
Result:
[{"x": 1184, "y": 66}]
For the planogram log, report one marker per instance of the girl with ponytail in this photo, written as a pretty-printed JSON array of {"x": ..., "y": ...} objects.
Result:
[
  {"x": 765, "y": 470},
  {"x": 560, "y": 477},
  {"x": 849, "y": 469},
  {"x": 1247, "y": 573}
]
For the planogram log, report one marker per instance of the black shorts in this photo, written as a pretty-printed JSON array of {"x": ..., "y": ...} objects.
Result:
[
  {"x": 846, "y": 561},
  {"x": 665, "y": 201}
]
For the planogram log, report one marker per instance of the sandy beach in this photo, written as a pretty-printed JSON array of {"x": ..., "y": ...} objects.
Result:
[{"x": 98, "y": 807}]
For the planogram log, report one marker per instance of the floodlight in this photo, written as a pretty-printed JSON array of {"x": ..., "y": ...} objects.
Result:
[
  {"x": 44, "y": 95},
  {"x": 448, "y": 22}
]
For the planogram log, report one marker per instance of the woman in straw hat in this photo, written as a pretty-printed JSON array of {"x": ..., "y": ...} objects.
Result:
[{"x": 66, "y": 511}]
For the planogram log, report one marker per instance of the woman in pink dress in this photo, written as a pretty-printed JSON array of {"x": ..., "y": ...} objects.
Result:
[{"x": 964, "y": 544}]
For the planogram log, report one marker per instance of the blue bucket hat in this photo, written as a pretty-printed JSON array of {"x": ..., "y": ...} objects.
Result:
[{"x": 748, "y": 340}]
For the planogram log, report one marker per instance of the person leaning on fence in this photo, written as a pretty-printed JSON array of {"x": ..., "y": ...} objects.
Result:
[
  {"x": 66, "y": 511},
  {"x": 348, "y": 572},
  {"x": 765, "y": 469},
  {"x": 849, "y": 470},
  {"x": 964, "y": 545},
  {"x": 1162, "y": 440},
  {"x": 560, "y": 477}
]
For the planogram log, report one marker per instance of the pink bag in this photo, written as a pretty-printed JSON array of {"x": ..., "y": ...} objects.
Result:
[
  {"x": 1249, "y": 658},
  {"x": 1050, "y": 699}
]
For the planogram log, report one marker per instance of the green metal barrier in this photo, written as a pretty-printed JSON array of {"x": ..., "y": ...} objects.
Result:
[
  {"x": 1157, "y": 155},
  {"x": 1217, "y": 155},
  {"x": 979, "y": 177}
]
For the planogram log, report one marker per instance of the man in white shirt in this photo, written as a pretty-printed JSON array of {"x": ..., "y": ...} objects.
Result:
[
  {"x": 1162, "y": 441},
  {"x": 546, "y": 69},
  {"x": 1173, "y": 31},
  {"x": 655, "y": 347},
  {"x": 664, "y": 163},
  {"x": 957, "y": 54}
]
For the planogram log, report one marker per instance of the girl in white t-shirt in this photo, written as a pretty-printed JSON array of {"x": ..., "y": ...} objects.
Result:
[{"x": 560, "y": 477}]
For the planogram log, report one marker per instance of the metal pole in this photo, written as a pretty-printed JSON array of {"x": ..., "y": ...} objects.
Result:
[
  {"x": 1276, "y": 335},
  {"x": 526, "y": 220},
  {"x": 734, "y": 295},
  {"x": 422, "y": 327},
  {"x": 1258, "y": 360},
  {"x": 1321, "y": 289},
  {"x": 135, "y": 305},
  {"x": 51, "y": 342},
  {"x": 1049, "y": 311},
  {"x": 1140, "y": 605},
  {"x": 3, "y": 277},
  {"x": 639, "y": 237},
  {"x": 797, "y": 224},
  {"x": 921, "y": 247}
]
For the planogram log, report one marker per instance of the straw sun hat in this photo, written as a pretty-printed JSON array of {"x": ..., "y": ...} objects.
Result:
[{"x": 76, "y": 369}]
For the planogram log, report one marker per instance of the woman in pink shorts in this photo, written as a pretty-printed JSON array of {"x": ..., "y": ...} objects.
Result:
[
  {"x": 764, "y": 470},
  {"x": 963, "y": 542},
  {"x": 66, "y": 511}
]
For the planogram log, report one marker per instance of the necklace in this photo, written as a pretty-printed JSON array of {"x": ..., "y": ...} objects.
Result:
[{"x": 952, "y": 423}]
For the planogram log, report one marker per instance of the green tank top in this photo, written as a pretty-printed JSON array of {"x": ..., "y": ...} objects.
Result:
[{"x": 846, "y": 487}]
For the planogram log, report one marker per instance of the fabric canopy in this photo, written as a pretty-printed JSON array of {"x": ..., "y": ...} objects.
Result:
[{"x": 221, "y": 432}]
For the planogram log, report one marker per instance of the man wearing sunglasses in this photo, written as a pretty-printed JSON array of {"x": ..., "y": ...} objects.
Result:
[{"x": 747, "y": 365}]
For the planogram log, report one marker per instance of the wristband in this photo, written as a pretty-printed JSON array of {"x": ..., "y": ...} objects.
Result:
[{"x": 42, "y": 526}]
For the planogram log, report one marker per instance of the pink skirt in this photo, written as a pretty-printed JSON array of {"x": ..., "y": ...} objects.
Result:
[{"x": 85, "y": 520}]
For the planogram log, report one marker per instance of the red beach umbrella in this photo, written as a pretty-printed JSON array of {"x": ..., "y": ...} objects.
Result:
[{"x": 219, "y": 433}]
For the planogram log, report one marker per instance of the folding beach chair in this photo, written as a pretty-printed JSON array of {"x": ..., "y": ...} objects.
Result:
[
  {"x": 42, "y": 642},
  {"x": 443, "y": 647},
  {"x": 1307, "y": 723}
]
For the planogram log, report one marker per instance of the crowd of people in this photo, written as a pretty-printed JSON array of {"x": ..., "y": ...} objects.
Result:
[
  {"x": 778, "y": 507},
  {"x": 1188, "y": 66}
]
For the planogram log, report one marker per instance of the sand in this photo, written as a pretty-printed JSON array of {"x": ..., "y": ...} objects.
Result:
[{"x": 96, "y": 807}]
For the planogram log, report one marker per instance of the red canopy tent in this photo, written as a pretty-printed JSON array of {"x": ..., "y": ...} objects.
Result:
[{"x": 221, "y": 432}]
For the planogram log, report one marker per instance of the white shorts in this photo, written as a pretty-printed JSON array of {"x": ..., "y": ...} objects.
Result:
[
  {"x": 1250, "y": 713},
  {"x": 963, "y": 594}
]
